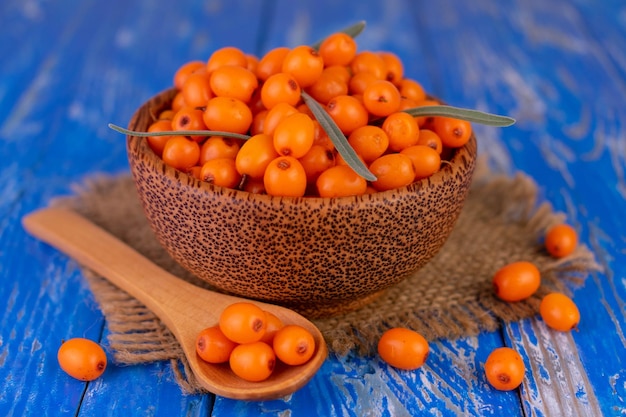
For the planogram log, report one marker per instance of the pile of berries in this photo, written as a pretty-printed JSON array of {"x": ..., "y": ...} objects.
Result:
[
  {"x": 267, "y": 140},
  {"x": 251, "y": 339}
]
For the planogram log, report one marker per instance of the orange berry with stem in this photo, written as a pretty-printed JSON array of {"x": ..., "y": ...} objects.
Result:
[
  {"x": 392, "y": 171},
  {"x": 368, "y": 61},
  {"x": 304, "y": 64},
  {"x": 181, "y": 153},
  {"x": 213, "y": 346},
  {"x": 285, "y": 177},
  {"x": 227, "y": 114},
  {"x": 454, "y": 133},
  {"x": 197, "y": 90},
  {"x": 157, "y": 143},
  {"x": 395, "y": 68},
  {"x": 243, "y": 322},
  {"x": 185, "y": 70},
  {"x": 402, "y": 130},
  {"x": 228, "y": 55},
  {"x": 412, "y": 89},
  {"x": 294, "y": 135},
  {"x": 253, "y": 362},
  {"x": 317, "y": 160},
  {"x": 426, "y": 160},
  {"x": 561, "y": 240},
  {"x": 516, "y": 281},
  {"x": 381, "y": 98},
  {"x": 504, "y": 369},
  {"x": 189, "y": 118},
  {"x": 233, "y": 81},
  {"x": 271, "y": 63},
  {"x": 338, "y": 49},
  {"x": 293, "y": 344},
  {"x": 559, "y": 312},
  {"x": 347, "y": 112},
  {"x": 429, "y": 138},
  {"x": 403, "y": 348},
  {"x": 82, "y": 359},
  {"x": 221, "y": 172},
  {"x": 340, "y": 181},
  {"x": 369, "y": 142},
  {"x": 255, "y": 155},
  {"x": 280, "y": 88}
]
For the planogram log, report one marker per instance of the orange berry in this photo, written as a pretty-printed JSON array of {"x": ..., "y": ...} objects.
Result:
[
  {"x": 178, "y": 102},
  {"x": 327, "y": 87},
  {"x": 255, "y": 155},
  {"x": 277, "y": 114},
  {"x": 454, "y": 133},
  {"x": 321, "y": 137},
  {"x": 274, "y": 324},
  {"x": 166, "y": 115},
  {"x": 185, "y": 70},
  {"x": 189, "y": 118},
  {"x": 271, "y": 63},
  {"x": 253, "y": 362},
  {"x": 212, "y": 346},
  {"x": 304, "y": 64},
  {"x": 258, "y": 122},
  {"x": 395, "y": 68},
  {"x": 402, "y": 130},
  {"x": 197, "y": 90},
  {"x": 253, "y": 62},
  {"x": 254, "y": 186},
  {"x": 360, "y": 81},
  {"x": 504, "y": 369},
  {"x": 228, "y": 55},
  {"x": 412, "y": 90},
  {"x": 425, "y": 122},
  {"x": 347, "y": 112},
  {"x": 367, "y": 61},
  {"x": 340, "y": 71},
  {"x": 82, "y": 359},
  {"x": 516, "y": 281},
  {"x": 429, "y": 138},
  {"x": 294, "y": 135},
  {"x": 369, "y": 142},
  {"x": 285, "y": 177},
  {"x": 181, "y": 153},
  {"x": 426, "y": 160},
  {"x": 403, "y": 348},
  {"x": 195, "y": 171},
  {"x": 243, "y": 322},
  {"x": 561, "y": 240},
  {"x": 227, "y": 115},
  {"x": 157, "y": 143},
  {"x": 340, "y": 181},
  {"x": 317, "y": 160},
  {"x": 218, "y": 147},
  {"x": 381, "y": 98},
  {"x": 221, "y": 172},
  {"x": 392, "y": 171},
  {"x": 293, "y": 344},
  {"x": 559, "y": 312},
  {"x": 338, "y": 49},
  {"x": 233, "y": 81},
  {"x": 280, "y": 88}
]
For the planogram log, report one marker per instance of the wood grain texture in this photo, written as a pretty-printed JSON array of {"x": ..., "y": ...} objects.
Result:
[{"x": 559, "y": 67}]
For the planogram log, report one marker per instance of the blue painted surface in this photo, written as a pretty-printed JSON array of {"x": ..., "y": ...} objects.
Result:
[{"x": 68, "y": 68}]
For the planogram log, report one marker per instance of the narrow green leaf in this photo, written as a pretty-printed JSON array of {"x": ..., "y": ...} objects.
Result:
[
  {"x": 338, "y": 138},
  {"x": 178, "y": 132},
  {"x": 475, "y": 116},
  {"x": 353, "y": 31}
]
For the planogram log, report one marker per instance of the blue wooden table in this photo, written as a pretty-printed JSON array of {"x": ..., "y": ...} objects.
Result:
[{"x": 559, "y": 67}]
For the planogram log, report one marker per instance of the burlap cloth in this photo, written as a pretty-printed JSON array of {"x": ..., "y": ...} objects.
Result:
[{"x": 451, "y": 297}]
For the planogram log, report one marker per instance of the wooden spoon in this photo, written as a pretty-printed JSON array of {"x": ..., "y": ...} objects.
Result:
[{"x": 184, "y": 308}]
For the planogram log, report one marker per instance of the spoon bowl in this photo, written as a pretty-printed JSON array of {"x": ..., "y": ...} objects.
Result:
[{"x": 183, "y": 307}]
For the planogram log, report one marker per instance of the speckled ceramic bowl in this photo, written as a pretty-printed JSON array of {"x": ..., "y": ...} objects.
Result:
[{"x": 318, "y": 256}]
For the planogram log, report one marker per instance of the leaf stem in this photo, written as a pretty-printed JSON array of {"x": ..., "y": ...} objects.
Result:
[
  {"x": 178, "y": 132},
  {"x": 469, "y": 115}
]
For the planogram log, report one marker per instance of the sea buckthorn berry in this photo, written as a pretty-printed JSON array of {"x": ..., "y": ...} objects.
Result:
[
  {"x": 185, "y": 70},
  {"x": 304, "y": 64},
  {"x": 258, "y": 122},
  {"x": 233, "y": 81},
  {"x": 327, "y": 87},
  {"x": 395, "y": 68},
  {"x": 454, "y": 133},
  {"x": 271, "y": 63},
  {"x": 338, "y": 49},
  {"x": 277, "y": 114},
  {"x": 253, "y": 62},
  {"x": 411, "y": 89},
  {"x": 254, "y": 186},
  {"x": 221, "y": 172},
  {"x": 321, "y": 137},
  {"x": 426, "y": 160},
  {"x": 403, "y": 348},
  {"x": 212, "y": 346},
  {"x": 516, "y": 281},
  {"x": 429, "y": 138},
  {"x": 504, "y": 369},
  {"x": 368, "y": 61},
  {"x": 166, "y": 115},
  {"x": 559, "y": 312},
  {"x": 157, "y": 143},
  {"x": 285, "y": 177},
  {"x": 347, "y": 112},
  {"x": 255, "y": 155},
  {"x": 195, "y": 171},
  {"x": 340, "y": 71},
  {"x": 189, "y": 118},
  {"x": 392, "y": 171},
  {"x": 381, "y": 98},
  {"x": 253, "y": 362},
  {"x": 426, "y": 122},
  {"x": 218, "y": 147},
  {"x": 227, "y": 114},
  {"x": 317, "y": 160},
  {"x": 274, "y": 324},
  {"x": 243, "y": 322},
  {"x": 82, "y": 359},
  {"x": 178, "y": 102},
  {"x": 406, "y": 103},
  {"x": 360, "y": 81},
  {"x": 369, "y": 142},
  {"x": 197, "y": 90},
  {"x": 340, "y": 181},
  {"x": 293, "y": 344},
  {"x": 402, "y": 130},
  {"x": 181, "y": 153},
  {"x": 256, "y": 104},
  {"x": 561, "y": 240},
  {"x": 228, "y": 55},
  {"x": 294, "y": 135},
  {"x": 280, "y": 88}
]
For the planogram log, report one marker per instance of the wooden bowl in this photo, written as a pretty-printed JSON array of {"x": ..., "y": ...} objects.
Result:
[{"x": 319, "y": 256}]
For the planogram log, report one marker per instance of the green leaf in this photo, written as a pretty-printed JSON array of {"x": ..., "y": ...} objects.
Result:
[
  {"x": 178, "y": 132},
  {"x": 475, "y": 116},
  {"x": 337, "y": 137},
  {"x": 352, "y": 31}
]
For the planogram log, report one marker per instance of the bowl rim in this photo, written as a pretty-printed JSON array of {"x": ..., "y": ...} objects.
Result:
[{"x": 449, "y": 169}]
